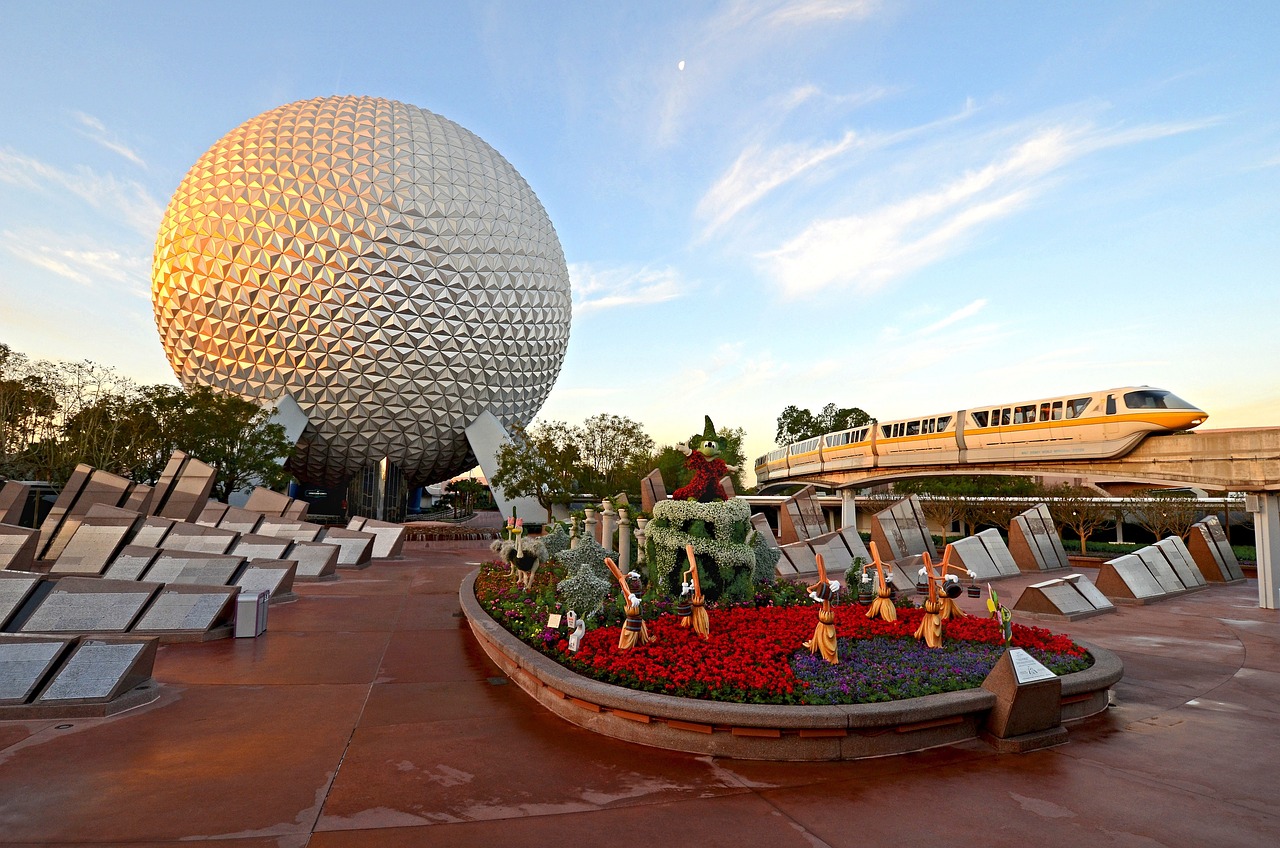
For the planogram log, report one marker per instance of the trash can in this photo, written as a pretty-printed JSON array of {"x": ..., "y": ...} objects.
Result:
[{"x": 251, "y": 613}]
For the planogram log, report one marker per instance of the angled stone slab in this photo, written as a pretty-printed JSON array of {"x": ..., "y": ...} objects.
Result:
[
  {"x": 184, "y": 488},
  {"x": 853, "y": 541},
  {"x": 15, "y": 588},
  {"x": 187, "y": 613},
  {"x": 297, "y": 510},
  {"x": 905, "y": 572},
  {"x": 317, "y": 561},
  {"x": 1127, "y": 580},
  {"x": 242, "y": 521},
  {"x": 131, "y": 563},
  {"x": 801, "y": 558},
  {"x": 1159, "y": 567},
  {"x": 139, "y": 499},
  {"x": 761, "y": 525},
  {"x": 27, "y": 663},
  {"x": 196, "y": 538},
  {"x": 356, "y": 522},
  {"x": 911, "y": 515},
  {"x": 18, "y": 547},
  {"x": 194, "y": 567},
  {"x": 100, "y": 671},
  {"x": 62, "y": 505},
  {"x": 212, "y": 514},
  {"x": 1051, "y": 532},
  {"x": 266, "y": 502},
  {"x": 1175, "y": 551},
  {"x": 785, "y": 567},
  {"x": 1207, "y": 558},
  {"x": 1226, "y": 553},
  {"x": 102, "y": 533},
  {"x": 90, "y": 605},
  {"x": 275, "y": 576},
  {"x": 101, "y": 489},
  {"x": 999, "y": 552},
  {"x": 1044, "y": 541},
  {"x": 800, "y": 517},
  {"x": 355, "y": 548},
  {"x": 652, "y": 490},
  {"x": 884, "y": 532},
  {"x": 1023, "y": 546},
  {"x": 260, "y": 547},
  {"x": 1089, "y": 592},
  {"x": 288, "y": 528},
  {"x": 835, "y": 555},
  {"x": 971, "y": 553},
  {"x": 152, "y": 532},
  {"x": 1055, "y": 599},
  {"x": 388, "y": 538},
  {"x": 13, "y": 500}
]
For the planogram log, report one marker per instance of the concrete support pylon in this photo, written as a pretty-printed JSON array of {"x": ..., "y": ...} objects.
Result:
[
  {"x": 848, "y": 510},
  {"x": 1266, "y": 527}
]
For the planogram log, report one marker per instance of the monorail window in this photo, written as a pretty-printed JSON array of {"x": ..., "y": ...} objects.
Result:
[
  {"x": 1111, "y": 404},
  {"x": 1057, "y": 410},
  {"x": 1004, "y": 417},
  {"x": 1077, "y": 406},
  {"x": 927, "y": 428},
  {"x": 913, "y": 428},
  {"x": 1024, "y": 414},
  {"x": 979, "y": 418},
  {"x": 886, "y": 430},
  {"x": 1154, "y": 399},
  {"x": 899, "y": 429},
  {"x": 943, "y": 421},
  {"x": 1044, "y": 412}
]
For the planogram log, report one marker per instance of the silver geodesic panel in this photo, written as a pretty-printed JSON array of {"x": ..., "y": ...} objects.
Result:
[{"x": 379, "y": 262}]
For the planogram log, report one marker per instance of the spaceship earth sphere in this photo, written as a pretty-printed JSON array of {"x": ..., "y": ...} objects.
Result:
[{"x": 380, "y": 263}]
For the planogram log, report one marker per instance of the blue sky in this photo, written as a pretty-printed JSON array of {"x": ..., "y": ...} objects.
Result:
[{"x": 903, "y": 206}]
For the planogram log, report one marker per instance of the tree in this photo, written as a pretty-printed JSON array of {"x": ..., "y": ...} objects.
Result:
[
  {"x": 540, "y": 462},
  {"x": 1164, "y": 512},
  {"x": 237, "y": 438},
  {"x": 970, "y": 493},
  {"x": 1081, "y": 509},
  {"x": 613, "y": 450},
  {"x": 795, "y": 424}
]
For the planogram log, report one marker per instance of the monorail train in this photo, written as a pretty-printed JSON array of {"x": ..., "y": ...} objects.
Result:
[{"x": 1092, "y": 425}]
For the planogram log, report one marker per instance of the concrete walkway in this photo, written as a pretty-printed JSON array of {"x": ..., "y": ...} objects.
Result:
[{"x": 366, "y": 715}]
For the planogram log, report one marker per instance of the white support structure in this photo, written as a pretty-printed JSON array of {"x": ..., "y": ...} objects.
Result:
[
  {"x": 1266, "y": 527},
  {"x": 848, "y": 510},
  {"x": 486, "y": 434}
]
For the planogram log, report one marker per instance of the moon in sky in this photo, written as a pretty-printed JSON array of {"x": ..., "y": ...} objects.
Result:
[{"x": 680, "y": 67}]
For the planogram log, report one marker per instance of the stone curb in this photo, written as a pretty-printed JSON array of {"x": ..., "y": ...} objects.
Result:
[{"x": 537, "y": 674}]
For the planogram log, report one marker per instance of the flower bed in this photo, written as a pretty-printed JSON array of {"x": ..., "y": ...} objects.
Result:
[{"x": 754, "y": 656}]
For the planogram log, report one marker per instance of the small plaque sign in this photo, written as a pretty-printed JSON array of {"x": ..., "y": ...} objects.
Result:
[
  {"x": 1027, "y": 668},
  {"x": 553, "y": 620}
]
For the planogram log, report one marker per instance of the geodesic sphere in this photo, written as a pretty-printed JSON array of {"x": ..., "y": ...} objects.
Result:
[{"x": 381, "y": 264}]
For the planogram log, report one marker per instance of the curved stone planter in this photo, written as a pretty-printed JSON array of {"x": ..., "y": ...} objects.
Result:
[{"x": 760, "y": 731}]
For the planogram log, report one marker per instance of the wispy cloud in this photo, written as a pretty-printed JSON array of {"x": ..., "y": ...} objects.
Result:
[
  {"x": 85, "y": 265},
  {"x": 760, "y": 170},
  {"x": 757, "y": 172},
  {"x": 127, "y": 199},
  {"x": 595, "y": 288},
  {"x": 867, "y": 250},
  {"x": 96, "y": 131},
  {"x": 967, "y": 311}
]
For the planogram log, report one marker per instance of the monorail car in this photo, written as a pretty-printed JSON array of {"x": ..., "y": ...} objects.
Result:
[{"x": 1091, "y": 425}]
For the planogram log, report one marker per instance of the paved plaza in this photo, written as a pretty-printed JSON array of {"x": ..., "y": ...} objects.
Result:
[{"x": 367, "y": 715}]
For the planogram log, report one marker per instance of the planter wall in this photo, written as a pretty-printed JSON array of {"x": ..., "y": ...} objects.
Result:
[{"x": 757, "y": 731}]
